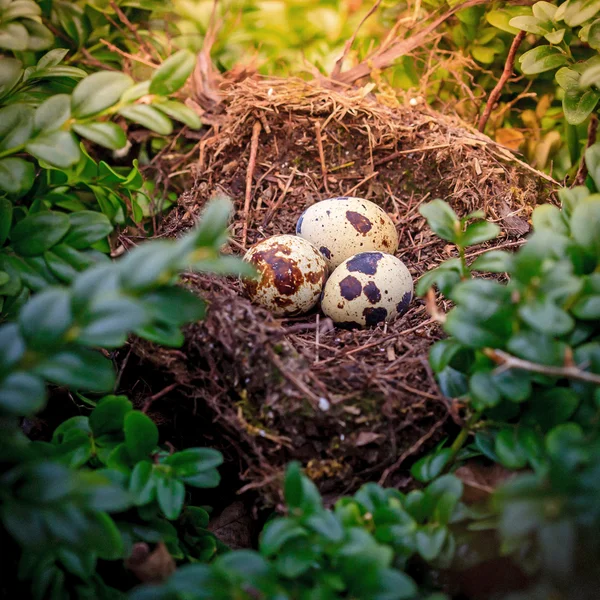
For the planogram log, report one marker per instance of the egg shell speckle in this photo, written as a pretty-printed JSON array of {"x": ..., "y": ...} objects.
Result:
[
  {"x": 367, "y": 289},
  {"x": 344, "y": 226},
  {"x": 292, "y": 273}
]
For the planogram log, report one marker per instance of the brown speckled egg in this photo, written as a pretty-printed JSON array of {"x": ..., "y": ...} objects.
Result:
[
  {"x": 344, "y": 226},
  {"x": 292, "y": 273},
  {"x": 367, "y": 289}
]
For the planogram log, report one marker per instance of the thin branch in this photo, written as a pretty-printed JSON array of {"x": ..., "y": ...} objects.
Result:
[
  {"x": 512, "y": 362},
  {"x": 583, "y": 170},
  {"x": 337, "y": 69},
  {"x": 321, "y": 154},
  {"x": 385, "y": 58},
  {"x": 509, "y": 66},
  {"x": 256, "y": 129},
  {"x": 139, "y": 59}
]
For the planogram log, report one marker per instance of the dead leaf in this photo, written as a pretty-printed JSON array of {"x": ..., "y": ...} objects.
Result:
[
  {"x": 150, "y": 566},
  {"x": 367, "y": 437},
  {"x": 509, "y": 137},
  {"x": 480, "y": 480}
]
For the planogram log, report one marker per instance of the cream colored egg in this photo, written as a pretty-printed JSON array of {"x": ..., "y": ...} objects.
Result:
[
  {"x": 367, "y": 289},
  {"x": 342, "y": 227},
  {"x": 292, "y": 273}
]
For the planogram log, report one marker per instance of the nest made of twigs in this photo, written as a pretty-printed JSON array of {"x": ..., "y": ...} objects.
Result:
[{"x": 351, "y": 405}]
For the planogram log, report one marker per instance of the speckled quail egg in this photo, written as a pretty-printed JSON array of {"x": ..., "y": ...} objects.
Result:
[
  {"x": 344, "y": 226},
  {"x": 292, "y": 273},
  {"x": 367, "y": 289}
]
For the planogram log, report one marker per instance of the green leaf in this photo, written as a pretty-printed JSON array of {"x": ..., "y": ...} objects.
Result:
[
  {"x": 578, "y": 105},
  {"x": 430, "y": 541},
  {"x": 139, "y": 90},
  {"x": 53, "y": 113},
  {"x": 78, "y": 563},
  {"x": 179, "y": 112},
  {"x": 16, "y": 178},
  {"x": 39, "y": 232},
  {"x": 484, "y": 393},
  {"x": 431, "y": 465},
  {"x": 277, "y": 532},
  {"x": 544, "y": 10},
  {"x": 551, "y": 407},
  {"x": 546, "y": 317},
  {"x": 537, "y": 347},
  {"x": 173, "y": 73},
  {"x": 479, "y": 232},
  {"x": 446, "y": 276},
  {"x": 542, "y": 59},
  {"x": 21, "y": 394},
  {"x": 16, "y": 125},
  {"x": 104, "y": 537},
  {"x": 108, "y": 135},
  {"x": 513, "y": 384},
  {"x": 160, "y": 303},
  {"x": 109, "y": 320},
  {"x": 170, "y": 496},
  {"x": 501, "y": 17},
  {"x": 148, "y": 117},
  {"x": 193, "y": 461},
  {"x": 442, "y": 353},
  {"x": 532, "y": 24},
  {"x": 46, "y": 318},
  {"x": 142, "y": 485},
  {"x": 293, "y": 485},
  {"x": 579, "y": 11},
  {"x": 442, "y": 219},
  {"x": 13, "y": 36},
  {"x": 326, "y": 525},
  {"x": 57, "y": 148},
  {"x": 587, "y": 308},
  {"x": 459, "y": 323},
  {"x": 109, "y": 415},
  {"x": 494, "y": 261},
  {"x": 508, "y": 449},
  {"x": 585, "y": 225},
  {"x": 141, "y": 435},
  {"x": 87, "y": 228},
  {"x": 98, "y": 92},
  {"x": 79, "y": 368},
  {"x": 52, "y": 58},
  {"x": 11, "y": 71},
  {"x": 39, "y": 36}
]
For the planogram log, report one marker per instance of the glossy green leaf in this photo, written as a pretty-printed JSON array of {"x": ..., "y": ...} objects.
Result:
[
  {"x": 142, "y": 485},
  {"x": 98, "y": 92},
  {"x": 148, "y": 117},
  {"x": 39, "y": 232},
  {"x": 173, "y": 73},
  {"x": 16, "y": 126},
  {"x": 46, "y": 318},
  {"x": 579, "y": 11},
  {"x": 57, "y": 148},
  {"x": 585, "y": 225},
  {"x": 179, "y": 112},
  {"x": 109, "y": 415},
  {"x": 277, "y": 533},
  {"x": 141, "y": 435},
  {"x": 479, "y": 232},
  {"x": 16, "y": 178},
  {"x": 545, "y": 316},
  {"x": 86, "y": 228},
  {"x": 170, "y": 496},
  {"x": 442, "y": 219},
  {"x": 80, "y": 369},
  {"x": 542, "y": 59},
  {"x": 21, "y": 394},
  {"x": 106, "y": 134},
  {"x": 53, "y": 113}
]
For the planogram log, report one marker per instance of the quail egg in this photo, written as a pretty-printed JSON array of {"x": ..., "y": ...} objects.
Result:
[
  {"x": 367, "y": 289},
  {"x": 292, "y": 273},
  {"x": 344, "y": 226}
]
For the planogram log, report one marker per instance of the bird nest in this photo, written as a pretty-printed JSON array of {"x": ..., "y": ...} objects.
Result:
[{"x": 351, "y": 405}]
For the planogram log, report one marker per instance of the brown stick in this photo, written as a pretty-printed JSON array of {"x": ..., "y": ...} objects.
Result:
[
  {"x": 509, "y": 66},
  {"x": 321, "y": 155},
  {"x": 337, "y": 69},
  {"x": 158, "y": 395},
  {"x": 280, "y": 200},
  {"x": 249, "y": 175},
  {"x": 385, "y": 58},
  {"x": 583, "y": 170},
  {"x": 512, "y": 362},
  {"x": 132, "y": 28}
]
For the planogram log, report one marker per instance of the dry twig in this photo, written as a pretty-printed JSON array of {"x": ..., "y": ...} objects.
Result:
[
  {"x": 256, "y": 129},
  {"x": 507, "y": 361},
  {"x": 506, "y": 74}
]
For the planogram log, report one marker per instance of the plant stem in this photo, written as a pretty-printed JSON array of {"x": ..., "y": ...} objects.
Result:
[
  {"x": 12, "y": 151},
  {"x": 462, "y": 437}
]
